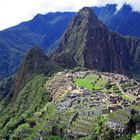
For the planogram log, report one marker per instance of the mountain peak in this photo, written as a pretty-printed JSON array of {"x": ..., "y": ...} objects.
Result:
[
  {"x": 36, "y": 53},
  {"x": 35, "y": 63},
  {"x": 88, "y": 43},
  {"x": 126, "y": 9},
  {"x": 86, "y": 10},
  {"x": 87, "y": 13}
]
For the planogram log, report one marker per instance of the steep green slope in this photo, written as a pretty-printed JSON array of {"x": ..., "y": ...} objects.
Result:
[
  {"x": 36, "y": 62},
  {"x": 32, "y": 98},
  {"x": 59, "y": 107},
  {"x": 26, "y": 93},
  {"x": 79, "y": 113}
]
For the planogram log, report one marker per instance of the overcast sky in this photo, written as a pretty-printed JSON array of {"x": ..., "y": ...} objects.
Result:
[{"x": 13, "y": 12}]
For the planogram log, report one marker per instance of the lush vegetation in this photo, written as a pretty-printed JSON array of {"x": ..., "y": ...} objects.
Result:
[
  {"x": 32, "y": 114},
  {"x": 137, "y": 137},
  {"x": 32, "y": 98}
]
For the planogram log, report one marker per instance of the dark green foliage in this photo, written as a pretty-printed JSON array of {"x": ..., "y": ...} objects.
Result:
[
  {"x": 134, "y": 119},
  {"x": 97, "y": 130},
  {"x": 108, "y": 85},
  {"x": 106, "y": 134},
  {"x": 6, "y": 87},
  {"x": 51, "y": 110},
  {"x": 15, "y": 138},
  {"x": 32, "y": 98},
  {"x": 31, "y": 122},
  {"x": 21, "y": 131},
  {"x": 54, "y": 138}
]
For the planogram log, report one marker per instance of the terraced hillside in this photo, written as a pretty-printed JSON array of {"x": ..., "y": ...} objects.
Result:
[
  {"x": 116, "y": 88},
  {"x": 86, "y": 97},
  {"x": 85, "y": 105}
]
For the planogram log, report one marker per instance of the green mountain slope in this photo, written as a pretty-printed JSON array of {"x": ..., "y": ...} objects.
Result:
[
  {"x": 36, "y": 62},
  {"x": 32, "y": 98},
  {"x": 6, "y": 87},
  {"x": 26, "y": 93},
  {"x": 60, "y": 108}
]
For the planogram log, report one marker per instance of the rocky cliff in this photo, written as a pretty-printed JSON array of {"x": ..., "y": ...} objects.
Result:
[{"x": 89, "y": 43}]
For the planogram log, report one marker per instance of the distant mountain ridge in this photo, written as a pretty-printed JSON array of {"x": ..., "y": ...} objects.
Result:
[
  {"x": 46, "y": 31},
  {"x": 125, "y": 21},
  {"x": 43, "y": 30}
]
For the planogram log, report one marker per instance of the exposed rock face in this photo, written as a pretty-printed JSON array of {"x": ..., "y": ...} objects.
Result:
[
  {"x": 36, "y": 62},
  {"x": 134, "y": 50},
  {"x": 88, "y": 43}
]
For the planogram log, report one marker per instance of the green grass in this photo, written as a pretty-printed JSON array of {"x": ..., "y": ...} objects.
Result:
[
  {"x": 55, "y": 138},
  {"x": 84, "y": 83},
  {"x": 135, "y": 107},
  {"x": 101, "y": 84},
  {"x": 137, "y": 137},
  {"x": 102, "y": 81},
  {"x": 91, "y": 82},
  {"x": 127, "y": 97},
  {"x": 91, "y": 77}
]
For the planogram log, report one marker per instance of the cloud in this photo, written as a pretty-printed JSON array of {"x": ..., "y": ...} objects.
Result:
[{"x": 13, "y": 12}]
